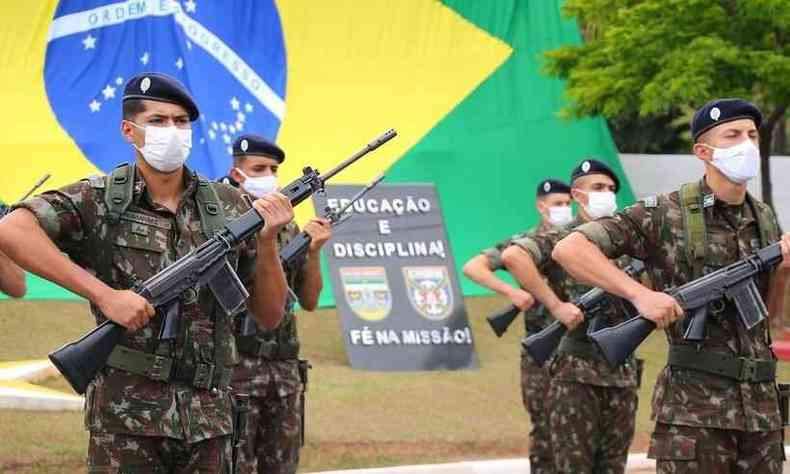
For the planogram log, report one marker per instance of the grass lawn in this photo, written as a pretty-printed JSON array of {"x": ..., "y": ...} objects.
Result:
[{"x": 355, "y": 418}]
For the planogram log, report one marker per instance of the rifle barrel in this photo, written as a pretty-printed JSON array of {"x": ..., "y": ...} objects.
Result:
[{"x": 384, "y": 138}]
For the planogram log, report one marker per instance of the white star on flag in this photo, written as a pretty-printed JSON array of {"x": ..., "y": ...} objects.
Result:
[
  {"x": 190, "y": 6},
  {"x": 108, "y": 92},
  {"x": 230, "y": 150},
  {"x": 241, "y": 117},
  {"x": 119, "y": 80},
  {"x": 189, "y": 45},
  {"x": 248, "y": 107},
  {"x": 214, "y": 125},
  {"x": 95, "y": 105},
  {"x": 232, "y": 129},
  {"x": 226, "y": 138},
  {"x": 89, "y": 42},
  {"x": 202, "y": 141},
  {"x": 212, "y": 134},
  {"x": 222, "y": 126},
  {"x": 144, "y": 58},
  {"x": 239, "y": 126},
  {"x": 180, "y": 63},
  {"x": 234, "y": 103}
]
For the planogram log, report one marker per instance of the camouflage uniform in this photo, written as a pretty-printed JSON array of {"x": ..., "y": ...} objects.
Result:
[
  {"x": 704, "y": 422},
  {"x": 166, "y": 426},
  {"x": 593, "y": 406},
  {"x": 535, "y": 379},
  {"x": 273, "y": 436}
]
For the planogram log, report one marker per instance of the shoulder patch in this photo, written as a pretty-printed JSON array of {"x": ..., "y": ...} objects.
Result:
[{"x": 651, "y": 201}]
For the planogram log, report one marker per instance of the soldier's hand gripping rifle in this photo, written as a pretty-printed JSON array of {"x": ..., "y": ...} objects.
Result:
[
  {"x": 734, "y": 282},
  {"x": 292, "y": 253},
  {"x": 4, "y": 209},
  {"x": 81, "y": 360},
  {"x": 542, "y": 345}
]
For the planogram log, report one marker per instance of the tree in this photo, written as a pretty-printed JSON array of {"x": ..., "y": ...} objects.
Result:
[{"x": 657, "y": 57}]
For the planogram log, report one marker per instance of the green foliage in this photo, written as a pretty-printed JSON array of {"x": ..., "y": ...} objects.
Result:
[{"x": 654, "y": 57}]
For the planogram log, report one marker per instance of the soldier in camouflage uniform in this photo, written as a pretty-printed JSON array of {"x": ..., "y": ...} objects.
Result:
[
  {"x": 593, "y": 407},
  {"x": 12, "y": 278},
  {"x": 705, "y": 421},
  {"x": 159, "y": 405},
  {"x": 270, "y": 370},
  {"x": 553, "y": 201}
]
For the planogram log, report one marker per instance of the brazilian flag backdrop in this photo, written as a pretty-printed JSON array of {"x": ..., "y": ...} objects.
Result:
[{"x": 458, "y": 79}]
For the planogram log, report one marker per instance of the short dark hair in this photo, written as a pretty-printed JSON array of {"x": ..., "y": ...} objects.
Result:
[{"x": 132, "y": 107}]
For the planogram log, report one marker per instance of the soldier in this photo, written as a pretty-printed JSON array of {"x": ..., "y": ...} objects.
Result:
[
  {"x": 593, "y": 407},
  {"x": 270, "y": 370},
  {"x": 159, "y": 405},
  {"x": 705, "y": 421},
  {"x": 553, "y": 201}
]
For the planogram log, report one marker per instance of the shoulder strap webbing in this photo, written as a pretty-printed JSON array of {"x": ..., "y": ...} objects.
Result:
[
  {"x": 694, "y": 227},
  {"x": 119, "y": 191},
  {"x": 766, "y": 225}
]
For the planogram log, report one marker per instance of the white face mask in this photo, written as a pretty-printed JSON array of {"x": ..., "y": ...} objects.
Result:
[
  {"x": 600, "y": 204},
  {"x": 259, "y": 186},
  {"x": 739, "y": 163},
  {"x": 166, "y": 148},
  {"x": 560, "y": 215}
]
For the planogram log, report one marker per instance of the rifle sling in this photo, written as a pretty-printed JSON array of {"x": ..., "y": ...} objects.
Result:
[{"x": 742, "y": 369}]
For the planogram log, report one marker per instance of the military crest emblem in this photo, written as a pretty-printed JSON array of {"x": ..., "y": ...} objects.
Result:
[
  {"x": 429, "y": 291},
  {"x": 367, "y": 292}
]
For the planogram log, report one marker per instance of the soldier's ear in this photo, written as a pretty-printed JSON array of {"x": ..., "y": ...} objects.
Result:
[
  {"x": 703, "y": 151},
  {"x": 127, "y": 131}
]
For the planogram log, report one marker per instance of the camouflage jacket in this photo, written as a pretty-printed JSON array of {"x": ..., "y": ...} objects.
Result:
[
  {"x": 569, "y": 367},
  {"x": 536, "y": 318},
  {"x": 652, "y": 230},
  {"x": 147, "y": 239},
  {"x": 257, "y": 376}
]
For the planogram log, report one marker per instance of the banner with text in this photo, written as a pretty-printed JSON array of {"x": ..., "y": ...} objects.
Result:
[{"x": 394, "y": 280}]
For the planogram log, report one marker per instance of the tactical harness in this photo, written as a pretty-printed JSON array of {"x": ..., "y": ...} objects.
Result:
[
  {"x": 745, "y": 369},
  {"x": 159, "y": 363}
]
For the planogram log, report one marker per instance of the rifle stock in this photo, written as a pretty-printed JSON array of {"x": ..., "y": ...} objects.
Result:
[
  {"x": 502, "y": 319},
  {"x": 81, "y": 360}
]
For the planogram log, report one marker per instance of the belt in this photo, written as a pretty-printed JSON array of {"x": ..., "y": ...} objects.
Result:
[
  {"x": 167, "y": 369},
  {"x": 269, "y": 350},
  {"x": 737, "y": 368},
  {"x": 583, "y": 349}
]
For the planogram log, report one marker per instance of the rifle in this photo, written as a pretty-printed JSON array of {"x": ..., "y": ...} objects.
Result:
[
  {"x": 502, "y": 319},
  {"x": 81, "y": 360},
  {"x": 735, "y": 282},
  {"x": 297, "y": 247},
  {"x": 542, "y": 345},
  {"x": 5, "y": 209}
]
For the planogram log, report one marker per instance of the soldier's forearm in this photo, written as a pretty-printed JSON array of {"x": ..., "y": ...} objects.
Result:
[
  {"x": 269, "y": 293},
  {"x": 523, "y": 269},
  {"x": 478, "y": 271},
  {"x": 12, "y": 278},
  {"x": 24, "y": 242},
  {"x": 776, "y": 292},
  {"x": 586, "y": 263},
  {"x": 312, "y": 283}
]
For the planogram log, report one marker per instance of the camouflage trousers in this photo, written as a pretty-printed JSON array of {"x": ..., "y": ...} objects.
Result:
[
  {"x": 535, "y": 385},
  {"x": 274, "y": 435},
  {"x": 591, "y": 427},
  {"x": 123, "y": 453},
  {"x": 687, "y": 449}
]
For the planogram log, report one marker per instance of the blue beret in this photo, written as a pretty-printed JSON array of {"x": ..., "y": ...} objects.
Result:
[
  {"x": 162, "y": 88},
  {"x": 251, "y": 144},
  {"x": 590, "y": 166},
  {"x": 551, "y": 185},
  {"x": 719, "y": 111}
]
